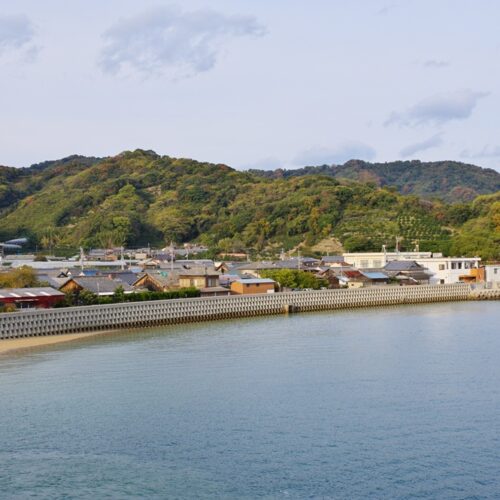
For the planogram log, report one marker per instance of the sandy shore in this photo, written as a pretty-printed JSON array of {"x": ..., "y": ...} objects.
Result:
[{"x": 17, "y": 345}]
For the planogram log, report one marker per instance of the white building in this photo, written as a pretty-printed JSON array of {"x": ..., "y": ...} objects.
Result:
[
  {"x": 445, "y": 270},
  {"x": 368, "y": 260},
  {"x": 492, "y": 274},
  {"x": 448, "y": 270}
]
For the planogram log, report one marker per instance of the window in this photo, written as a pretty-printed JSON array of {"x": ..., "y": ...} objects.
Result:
[
  {"x": 495, "y": 270},
  {"x": 441, "y": 267},
  {"x": 441, "y": 282},
  {"x": 453, "y": 265},
  {"x": 377, "y": 263},
  {"x": 459, "y": 264},
  {"x": 364, "y": 263}
]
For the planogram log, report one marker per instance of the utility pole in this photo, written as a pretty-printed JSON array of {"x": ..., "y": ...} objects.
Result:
[
  {"x": 172, "y": 255},
  {"x": 398, "y": 239},
  {"x": 122, "y": 259},
  {"x": 82, "y": 256}
]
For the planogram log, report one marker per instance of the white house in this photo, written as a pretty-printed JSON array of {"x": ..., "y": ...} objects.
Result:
[
  {"x": 448, "y": 270},
  {"x": 492, "y": 274},
  {"x": 374, "y": 260},
  {"x": 445, "y": 270}
]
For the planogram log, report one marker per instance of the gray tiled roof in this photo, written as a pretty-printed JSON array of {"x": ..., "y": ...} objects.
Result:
[
  {"x": 101, "y": 285},
  {"x": 402, "y": 265}
]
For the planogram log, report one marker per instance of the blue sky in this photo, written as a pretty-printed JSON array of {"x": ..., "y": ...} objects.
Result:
[{"x": 251, "y": 83}]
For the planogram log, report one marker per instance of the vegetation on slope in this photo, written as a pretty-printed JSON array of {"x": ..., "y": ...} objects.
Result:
[
  {"x": 138, "y": 197},
  {"x": 447, "y": 180}
]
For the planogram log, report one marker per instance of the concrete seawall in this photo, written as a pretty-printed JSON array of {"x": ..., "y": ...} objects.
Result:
[{"x": 137, "y": 314}]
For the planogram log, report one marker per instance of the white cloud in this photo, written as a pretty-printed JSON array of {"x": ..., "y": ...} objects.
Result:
[
  {"x": 169, "y": 40},
  {"x": 438, "y": 109},
  {"x": 17, "y": 36},
  {"x": 418, "y": 147},
  {"x": 338, "y": 155},
  {"x": 487, "y": 151}
]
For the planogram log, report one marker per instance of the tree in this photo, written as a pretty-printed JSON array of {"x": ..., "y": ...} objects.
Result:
[
  {"x": 119, "y": 295},
  {"x": 21, "y": 277},
  {"x": 293, "y": 278},
  {"x": 87, "y": 298}
]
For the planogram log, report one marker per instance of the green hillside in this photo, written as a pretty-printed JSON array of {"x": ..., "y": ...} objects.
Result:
[
  {"x": 447, "y": 180},
  {"x": 139, "y": 197}
]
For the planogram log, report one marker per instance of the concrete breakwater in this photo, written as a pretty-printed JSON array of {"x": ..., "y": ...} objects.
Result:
[{"x": 138, "y": 314}]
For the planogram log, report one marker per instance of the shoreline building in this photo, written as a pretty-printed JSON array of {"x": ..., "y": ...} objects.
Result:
[{"x": 445, "y": 270}]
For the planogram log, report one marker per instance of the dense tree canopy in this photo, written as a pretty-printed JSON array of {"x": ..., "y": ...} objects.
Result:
[{"x": 139, "y": 197}]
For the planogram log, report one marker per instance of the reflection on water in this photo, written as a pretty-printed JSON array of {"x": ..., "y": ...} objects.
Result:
[{"x": 381, "y": 403}]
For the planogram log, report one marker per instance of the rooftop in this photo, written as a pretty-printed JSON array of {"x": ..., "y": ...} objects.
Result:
[
  {"x": 255, "y": 281},
  {"x": 29, "y": 293}
]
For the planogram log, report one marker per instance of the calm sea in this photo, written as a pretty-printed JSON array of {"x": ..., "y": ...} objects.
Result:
[{"x": 399, "y": 402}]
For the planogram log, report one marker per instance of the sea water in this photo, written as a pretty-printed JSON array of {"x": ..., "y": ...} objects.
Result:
[{"x": 396, "y": 402}]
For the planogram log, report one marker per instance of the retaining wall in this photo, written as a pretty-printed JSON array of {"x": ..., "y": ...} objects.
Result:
[{"x": 136, "y": 314}]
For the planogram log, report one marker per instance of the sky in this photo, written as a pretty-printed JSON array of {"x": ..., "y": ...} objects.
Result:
[{"x": 251, "y": 83}]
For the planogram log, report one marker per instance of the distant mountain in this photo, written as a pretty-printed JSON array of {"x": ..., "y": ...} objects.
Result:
[
  {"x": 447, "y": 180},
  {"x": 139, "y": 197}
]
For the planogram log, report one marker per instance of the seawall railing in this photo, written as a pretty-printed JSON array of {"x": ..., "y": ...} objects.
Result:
[{"x": 37, "y": 322}]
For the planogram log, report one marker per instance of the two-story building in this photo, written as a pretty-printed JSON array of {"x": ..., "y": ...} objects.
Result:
[
  {"x": 198, "y": 278},
  {"x": 444, "y": 270},
  {"x": 447, "y": 270}
]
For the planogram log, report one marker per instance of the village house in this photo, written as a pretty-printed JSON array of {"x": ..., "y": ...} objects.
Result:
[
  {"x": 375, "y": 278},
  {"x": 214, "y": 291},
  {"x": 157, "y": 281},
  {"x": 128, "y": 277},
  {"x": 227, "y": 279},
  {"x": 198, "y": 278},
  {"x": 101, "y": 286},
  {"x": 252, "y": 286},
  {"x": 444, "y": 270},
  {"x": 408, "y": 272},
  {"x": 352, "y": 278},
  {"x": 330, "y": 275},
  {"x": 475, "y": 275},
  {"x": 447, "y": 270},
  {"x": 492, "y": 274},
  {"x": 24, "y": 298},
  {"x": 377, "y": 260},
  {"x": 333, "y": 261},
  {"x": 254, "y": 268}
]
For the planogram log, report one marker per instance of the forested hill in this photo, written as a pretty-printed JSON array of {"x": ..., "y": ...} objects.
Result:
[
  {"x": 448, "y": 180},
  {"x": 139, "y": 197},
  {"x": 17, "y": 183}
]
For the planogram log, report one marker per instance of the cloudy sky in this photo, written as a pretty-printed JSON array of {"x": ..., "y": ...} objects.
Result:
[{"x": 251, "y": 83}]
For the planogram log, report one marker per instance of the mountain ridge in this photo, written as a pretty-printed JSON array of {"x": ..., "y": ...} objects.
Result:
[
  {"x": 448, "y": 180},
  {"x": 139, "y": 197}
]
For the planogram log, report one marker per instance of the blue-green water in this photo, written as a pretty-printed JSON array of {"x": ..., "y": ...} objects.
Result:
[{"x": 377, "y": 403}]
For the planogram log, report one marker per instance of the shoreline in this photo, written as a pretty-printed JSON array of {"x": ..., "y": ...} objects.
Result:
[
  {"x": 35, "y": 328},
  {"x": 22, "y": 345}
]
